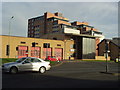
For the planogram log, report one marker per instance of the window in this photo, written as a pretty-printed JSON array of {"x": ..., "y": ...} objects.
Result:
[
  {"x": 27, "y": 60},
  {"x": 32, "y": 20},
  {"x": 33, "y": 44},
  {"x": 73, "y": 46},
  {"x": 7, "y": 50},
  {"x": 58, "y": 44},
  {"x": 22, "y": 42},
  {"x": 55, "y": 26},
  {"x": 54, "y": 38},
  {"x": 32, "y": 27},
  {"x": 35, "y": 60},
  {"x": 46, "y": 45},
  {"x": 54, "y": 23}
]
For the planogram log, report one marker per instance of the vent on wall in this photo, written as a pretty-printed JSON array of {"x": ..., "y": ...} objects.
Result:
[{"x": 23, "y": 42}]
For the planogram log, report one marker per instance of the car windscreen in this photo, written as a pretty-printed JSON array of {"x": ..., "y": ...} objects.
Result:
[
  {"x": 20, "y": 60},
  {"x": 52, "y": 56}
]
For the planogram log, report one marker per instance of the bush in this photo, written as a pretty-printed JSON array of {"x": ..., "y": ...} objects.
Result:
[{"x": 7, "y": 60}]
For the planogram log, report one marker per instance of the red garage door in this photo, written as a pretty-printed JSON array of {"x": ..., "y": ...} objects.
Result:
[
  {"x": 35, "y": 52},
  {"x": 58, "y": 53},
  {"x": 22, "y": 51},
  {"x": 47, "y": 52}
]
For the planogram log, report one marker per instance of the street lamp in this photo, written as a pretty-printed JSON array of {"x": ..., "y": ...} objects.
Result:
[
  {"x": 10, "y": 24},
  {"x": 106, "y": 54},
  {"x": 8, "y": 46}
]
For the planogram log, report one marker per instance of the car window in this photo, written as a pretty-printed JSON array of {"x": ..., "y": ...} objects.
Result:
[
  {"x": 35, "y": 60},
  {"x": 28, "y": 60},
  {"x": 32, "y": 59},
  {"x": 20, "y": 60},
  {"x": 52, "y": 56}
]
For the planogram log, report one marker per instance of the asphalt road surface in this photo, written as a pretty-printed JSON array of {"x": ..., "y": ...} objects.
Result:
[{"x": 67, "y": 75}]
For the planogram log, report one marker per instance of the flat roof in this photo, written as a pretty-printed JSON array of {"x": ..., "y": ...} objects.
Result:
[
  {"x": 29, "y": 37},
  {"x": 81, "y": 35}
]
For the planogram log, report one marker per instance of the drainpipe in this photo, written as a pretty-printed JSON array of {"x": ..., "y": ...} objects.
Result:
[{"x": 64, "y": 49}]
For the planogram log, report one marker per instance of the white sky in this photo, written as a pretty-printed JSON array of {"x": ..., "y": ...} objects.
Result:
[
  {"x": 60, "y": 0},
  {"x": 102, "y": 15}
]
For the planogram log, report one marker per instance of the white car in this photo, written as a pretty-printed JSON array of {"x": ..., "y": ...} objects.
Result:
[{"x": 27, "y": 64}]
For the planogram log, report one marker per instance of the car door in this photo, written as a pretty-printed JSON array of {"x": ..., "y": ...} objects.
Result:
[
  {"x": 26, "y": 65},
  {"x": 36, "y": 63}
]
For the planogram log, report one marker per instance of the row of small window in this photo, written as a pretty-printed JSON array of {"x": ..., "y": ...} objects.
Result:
[
  {"x": 38, "y": 18},
  {"x": 37, "y": 34},
  {"x": 55, "y": 31},
  {"x": 38, "y": 26},
  {"x": 55, "y": 23},
  {"x": 31, "y": 28},
  {"x": 29, "y": 24},
  {"x": 48, "y": 44},
  {"x": 70, "y": 27},
  {"x": 52, "y": 19},
  {"x": 40, "y": 21},
  {"x": 30, "y": 35},
  {"x": 30, "y": 31},
  {"x": 55, "y": 26},
  {"x": 37, "y": 30},
  {"x": 32, "y": 24}
]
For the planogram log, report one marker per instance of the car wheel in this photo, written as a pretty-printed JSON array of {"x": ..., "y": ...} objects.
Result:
[
  {"x": 42, "y": 69},
  {"x": 13, "y": 70}
]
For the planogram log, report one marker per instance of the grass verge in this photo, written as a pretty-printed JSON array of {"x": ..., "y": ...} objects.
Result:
[{"x": 7, "y": 60}]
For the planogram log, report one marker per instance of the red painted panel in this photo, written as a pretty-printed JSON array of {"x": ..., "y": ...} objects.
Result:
[
  {"x": 47, "y": 52},
  {"x": 22, "y": 50},
  {"x": 58, "y": 53},
  {"x": 35, "y": 52}
]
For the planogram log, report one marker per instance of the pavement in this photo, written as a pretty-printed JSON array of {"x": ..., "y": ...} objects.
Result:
[
  {"x": 71, "y": 74},
  {"x": 93, "y": 61}
]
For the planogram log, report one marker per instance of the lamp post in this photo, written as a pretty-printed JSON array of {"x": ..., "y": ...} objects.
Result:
[
  {"x": 8, "y": 46},
  {"x": 10, "y": 24},
  {"x": 106, "y": 54}
]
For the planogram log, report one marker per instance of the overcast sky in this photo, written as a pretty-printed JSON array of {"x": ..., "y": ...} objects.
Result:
[{"x": 101, "y": 15}]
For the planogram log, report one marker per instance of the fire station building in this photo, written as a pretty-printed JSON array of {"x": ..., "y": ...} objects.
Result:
[
  {"x": 53, "y": 35},
  {"x": 17, "y": 47}
]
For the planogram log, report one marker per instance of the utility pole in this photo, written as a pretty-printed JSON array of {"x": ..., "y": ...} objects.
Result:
[
  {"x": 9, "y": 33},
  {"x": 106, "y": 54}
]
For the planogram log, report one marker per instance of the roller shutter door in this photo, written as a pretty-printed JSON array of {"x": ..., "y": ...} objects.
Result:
[
  {"x": 59, "y": 53},
  {"x": 47, "y": 52},
  {"x": 22, "y": 51},
  {"x": 35, "y": 52}
]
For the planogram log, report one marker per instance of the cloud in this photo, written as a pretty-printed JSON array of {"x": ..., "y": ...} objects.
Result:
[
  {"x": 101, "y": 15},
  {"x": 61, "y": 1}
]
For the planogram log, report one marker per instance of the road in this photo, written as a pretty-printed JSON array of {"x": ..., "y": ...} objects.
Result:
[{"x": 68, "y": 75}]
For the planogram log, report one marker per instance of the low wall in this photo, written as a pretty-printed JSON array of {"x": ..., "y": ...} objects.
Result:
[{"x": 101, "y": 58}]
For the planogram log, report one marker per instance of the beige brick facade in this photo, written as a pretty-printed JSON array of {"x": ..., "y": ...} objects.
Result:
[{"x": 14, "y": 42}]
